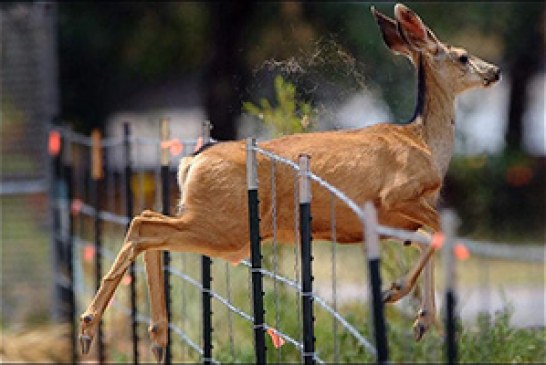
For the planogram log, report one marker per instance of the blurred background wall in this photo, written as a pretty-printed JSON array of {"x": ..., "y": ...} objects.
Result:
[{"x": 29, "y": 99}]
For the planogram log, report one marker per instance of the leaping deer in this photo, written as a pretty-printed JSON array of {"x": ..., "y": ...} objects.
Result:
[{"x": 398, "y": 167}]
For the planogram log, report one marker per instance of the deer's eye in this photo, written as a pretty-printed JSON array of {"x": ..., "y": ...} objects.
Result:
[{"x": 463, "y": 59}]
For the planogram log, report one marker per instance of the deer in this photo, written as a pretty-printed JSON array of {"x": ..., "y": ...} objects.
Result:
[{"x": 398, "y": 167}]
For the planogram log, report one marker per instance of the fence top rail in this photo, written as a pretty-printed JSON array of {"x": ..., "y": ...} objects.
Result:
[
  {"x": 106, "y": 216},
  {"x": 506, "y": 251},
  {"x": 116, "y": 141}
]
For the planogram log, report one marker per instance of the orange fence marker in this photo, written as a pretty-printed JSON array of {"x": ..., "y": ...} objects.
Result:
[
  {"x": 54, "y": 143},
  {"x": 174, "y": 145},
  {"x": 437, "y": 240},
  {"x": 76, "y": 206},
  {"x": 127, "y": 279},
  {"x": 461, "y": 252},
  {"x": 88, "y": 253},
  {"x": 277, "y": 340}
]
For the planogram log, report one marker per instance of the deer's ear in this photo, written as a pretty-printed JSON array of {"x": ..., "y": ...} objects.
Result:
[
  {"x": 391, "y": 36},
  {"x": 413, "y": 30}
]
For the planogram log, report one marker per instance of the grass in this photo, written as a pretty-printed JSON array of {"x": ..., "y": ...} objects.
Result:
[{"x": 26, "y": 274}]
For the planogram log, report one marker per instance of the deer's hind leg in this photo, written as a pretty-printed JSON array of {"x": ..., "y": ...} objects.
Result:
[
  {"x": 158, "y": 330},
  {"x": 144, "y": 234},
  {"x": 401, "y": 287}
]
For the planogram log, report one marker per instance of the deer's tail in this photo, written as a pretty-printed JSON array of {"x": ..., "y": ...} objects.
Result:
[{"x": 183, "y": 169}]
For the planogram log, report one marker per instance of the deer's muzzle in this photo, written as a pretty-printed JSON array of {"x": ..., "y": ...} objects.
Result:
[{"x": 491, "y": 76}]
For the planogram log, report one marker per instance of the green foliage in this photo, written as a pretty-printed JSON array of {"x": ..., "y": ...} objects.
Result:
[
  {"x": 500, "y": 196},
  {"x": 288, "y": 115},
  {"x": 117, "y": 48},
  {"x": 496, "y": 341}
]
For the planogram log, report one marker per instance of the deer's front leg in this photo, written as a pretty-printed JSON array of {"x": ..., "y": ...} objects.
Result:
[
  {"x": 424, "y": 215},
  {"x": 134, "y": 244},
  {"x": 426, "y": 315},
  {"x": 401, "y": 287},
  {"x": 153, "y": 262}
]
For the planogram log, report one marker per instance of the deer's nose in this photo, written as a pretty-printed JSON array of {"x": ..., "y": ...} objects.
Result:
[{"x": 496, "y": 74}]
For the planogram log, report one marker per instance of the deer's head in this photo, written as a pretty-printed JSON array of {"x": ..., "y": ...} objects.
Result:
[{"x": 454, "y": 67}]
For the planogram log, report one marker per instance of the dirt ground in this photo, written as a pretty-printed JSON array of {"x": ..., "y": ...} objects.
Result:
[{"x": 48, "y": 343}]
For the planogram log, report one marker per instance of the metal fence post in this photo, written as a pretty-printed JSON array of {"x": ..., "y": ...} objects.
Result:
[
  {"x": 68, "y": 173},
  {"x": 449, "y": 227},
  {"x": 207, "y": 312},
  {"x": 129, "y": 213},
  {"x": 256, "y": 255},
  {"x": 165, "y": 195},
  {"x": 371, "y": 239},
  {"x": 206, "y": 282},
  {"x": 306, "y": 261},
  {"x": 55, "y": 199},
  {"x": 97, "y": 173}
]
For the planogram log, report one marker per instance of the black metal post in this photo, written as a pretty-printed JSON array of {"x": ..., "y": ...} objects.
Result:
[
  {"x": 306, "y": 262},
  {"x": 379, "y": 319},
  {"x": 449, "y": 222},
  {"x": 69, "y": 176},
  {"x": 129, "y": 213},
  {"x": 206, "y": 279},
  {"x": 207, "y": 310},
  {"x": 451, "y": 344},
  {"x": 372, "y": 246},
  {"x": 256, "y": 255},
  {"x": 55, "y": 197},
  {"x": 165, "y": 202}
]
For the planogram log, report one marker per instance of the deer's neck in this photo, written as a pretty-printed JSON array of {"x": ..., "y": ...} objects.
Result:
[{"x": 435, "y": 116}]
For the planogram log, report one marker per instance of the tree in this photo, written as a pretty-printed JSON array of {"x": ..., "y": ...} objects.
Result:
[
  {"x": 107, "y": 51},
  {"x": 524, "y": 57},
  {"x": 226, "y": 75}
]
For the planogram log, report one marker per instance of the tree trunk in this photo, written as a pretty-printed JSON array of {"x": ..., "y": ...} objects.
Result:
[
  {"x": 521, "y": 72},
  {"x": 226, "y": 74},
  {"x": 527, "y": 46}
]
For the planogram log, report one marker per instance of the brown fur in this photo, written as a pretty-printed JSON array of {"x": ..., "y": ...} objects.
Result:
[{"x": 335, "y": 156}]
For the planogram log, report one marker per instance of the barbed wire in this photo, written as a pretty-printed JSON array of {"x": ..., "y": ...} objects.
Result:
[{"x": 351, "y": 329}]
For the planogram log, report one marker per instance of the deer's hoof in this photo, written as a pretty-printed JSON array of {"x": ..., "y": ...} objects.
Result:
[
  {"x": 88, "y": 318},
  {"x": 159, "y": 353},
  {"x": 394, "y": 293},
  {"x": 422, "y": 324},
  {"x": 85, "y": 342},
  {"x": 419, "y": 329},
  {"x": 386, "y": 296}
]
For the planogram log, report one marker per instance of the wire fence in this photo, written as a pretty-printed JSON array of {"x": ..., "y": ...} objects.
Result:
[{"x": 98, "y": 185}]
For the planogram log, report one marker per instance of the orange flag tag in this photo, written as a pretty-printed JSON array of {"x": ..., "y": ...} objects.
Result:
[{"x": 277, "y": 340}]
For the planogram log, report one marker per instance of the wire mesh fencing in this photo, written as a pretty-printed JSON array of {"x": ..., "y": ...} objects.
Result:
[{"x": 283, "y": 304}]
